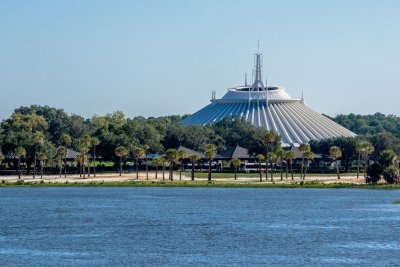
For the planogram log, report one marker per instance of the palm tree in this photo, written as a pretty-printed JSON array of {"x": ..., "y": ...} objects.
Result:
[
  {"x": 210, "y": 152},
  {"x": 269, "y": 138},
  {"x": 19, "y": 152},
  {"x": 86, "y": 141},
  {"x": 2, "y": 158},
  {"x": 137, "y": 153},
  {"x": 61, "y": 155},
  {"x": 94, "y": 142},
  {"x": 42, "y": 158},
  {"x": 281, "y": 153},
  {"x": 79, "y": 159},
  {"x": 171, "y": 156},
  {"x": 290, "y": 156},
  {"x": 309, "y": 156},
  {"x": 83, "y": 149},
  {"x": 260, "y": 158},
  {"x": 335, "y": 153},
  {"x": 194, "y": 159},
  {"x": 271, "y": 157},
  {"x": 66, "y": 139},
  {"x": 164, "y": 159},
  {"x": 182, "y": 154},
  {"x": 303, "y": 148},
  {"x": 146, "y": 148},
  {"x": 38, "y": 139},
  {"x": 388, "y": 158},
  {"x": 236, "y": 163},
  {"x": 120, "y": 152},
  {"x": 368, "y": 149},
  {"x": 157, "y": 162}
]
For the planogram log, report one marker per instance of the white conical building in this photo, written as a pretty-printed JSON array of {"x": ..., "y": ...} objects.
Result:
[{"x": 272, "y": 108}]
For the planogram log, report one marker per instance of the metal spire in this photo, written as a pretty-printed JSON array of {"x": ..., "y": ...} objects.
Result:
[
  {"x": 245, "y": 79},
  {"x": 258, "y": 83}
]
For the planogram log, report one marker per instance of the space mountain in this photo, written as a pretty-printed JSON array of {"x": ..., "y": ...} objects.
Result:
[{"x": 272, "y": 108}]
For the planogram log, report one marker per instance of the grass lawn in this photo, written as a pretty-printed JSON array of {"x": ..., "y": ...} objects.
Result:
[{"x": 217, "y": 175}]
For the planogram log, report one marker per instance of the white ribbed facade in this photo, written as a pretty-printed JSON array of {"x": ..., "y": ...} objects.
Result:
[{"x": 270, "y": 107}]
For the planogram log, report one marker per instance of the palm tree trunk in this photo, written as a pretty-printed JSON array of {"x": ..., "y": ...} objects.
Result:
[
  {"x": 120, "y": 166},
  {"x": 337, "y": 169},
  {"x": 209, "y": 170},
  {"x": 41, "y": 170},
  {"x": 287, "y": 168},
  {"x": 180, "y": 171},
  {"x": 60, "y": 166},
  {"x": 358, "y": 165},
  {"x": 365, "y": 168},
  {"x": 163, "y": 171},
  {"x": 88, "y": 168},
  {"x": 235, "y": 173},
  {"x": 266, "y": 171},
  {"x": 259, "y": 168},
  {"x": 291, "y": 169},
  {"x": 83, "y": 168},
  {"x": 34, "y": 163},
  {"x": 147, "y": 169},
  {"x": 302, "y": 167},
  {"x": 192, "y": 171},
  {"x": 281, "y": 169},
  {"x": 272, "y": 171},
  {"x": 94, "y": 161},
  {"x": 171, "y": 170},
  {"x": 305, "y": 171},
  {"x": 19, "y": 168},
  {"x": 137, "y": 168},
  {"x": 156, "y": 171},
  {"x": 65, "y": 162}
]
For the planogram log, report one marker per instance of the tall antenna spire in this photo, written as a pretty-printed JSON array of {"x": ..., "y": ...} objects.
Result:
[
  {"x": 245, "y": 79},
  {"x": 258, "y": 83}
]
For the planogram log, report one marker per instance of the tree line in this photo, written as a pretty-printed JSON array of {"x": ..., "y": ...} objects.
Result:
[{"x": 42, "y": 135}]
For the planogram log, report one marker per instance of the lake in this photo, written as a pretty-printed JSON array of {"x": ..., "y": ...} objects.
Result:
[{"x": 125, "y": 226}]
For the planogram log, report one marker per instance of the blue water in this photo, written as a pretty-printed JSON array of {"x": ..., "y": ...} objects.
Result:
[{"x": 198, "y": 226}]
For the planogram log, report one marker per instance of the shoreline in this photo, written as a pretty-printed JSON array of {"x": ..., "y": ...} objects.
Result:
[{"x": 129, "y": 180}]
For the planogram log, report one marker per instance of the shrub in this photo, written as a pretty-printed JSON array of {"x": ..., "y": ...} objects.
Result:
[
  {"x": 391, "y": 174},
  {"x": 374, "y": 173}
]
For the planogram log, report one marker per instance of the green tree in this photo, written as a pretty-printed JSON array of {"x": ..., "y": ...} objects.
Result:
[
  {"x": 2, "y": 157},
  {"x": 303, "y": 148},
  {"x": 309, "y": 155},
  {"x": 19, "y": 152},
  {"x": 66, "y": 140},
  {"x": 120, "y": 152},
  {"x": 368, "y": 149},
  {"x": 193, "y": 159},
  {"x": 182, "y": 154},
  {"x": 260, "y": 158},
  {"x": 334, "y": 154},
  {"x": 210, "y": 152},
  {"x": 236, "y": 163},
  {"x": 137, "y": 153},
  {"x": 38, "y": 139},
  {"x": 290, "y": 156},
  {"x": 171, "y": 155},
  {"x": 388, "y": 158},
  {"x": 94, "y": 142}
]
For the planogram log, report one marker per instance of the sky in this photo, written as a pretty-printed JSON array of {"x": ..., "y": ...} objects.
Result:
[{"x": 157, "y": 58}]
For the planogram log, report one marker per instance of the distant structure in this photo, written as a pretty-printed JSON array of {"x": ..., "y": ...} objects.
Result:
[{"x": 272, "y": 108}]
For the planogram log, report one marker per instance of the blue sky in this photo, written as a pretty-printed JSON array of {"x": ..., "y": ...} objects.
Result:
[{"x": 155, "y": 58}]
